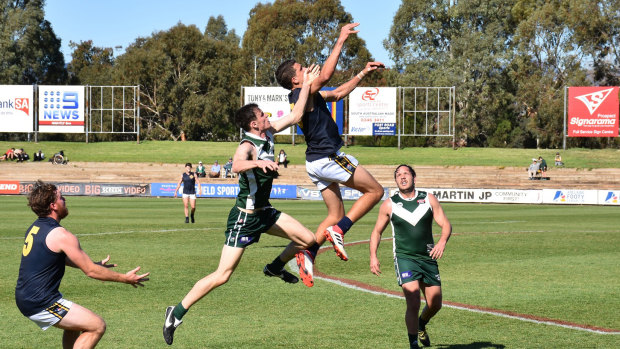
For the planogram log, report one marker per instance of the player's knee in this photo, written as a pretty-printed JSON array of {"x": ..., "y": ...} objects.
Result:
[
  {"x": 100, "y": 327},
  {"x": 222, "y": 278}
]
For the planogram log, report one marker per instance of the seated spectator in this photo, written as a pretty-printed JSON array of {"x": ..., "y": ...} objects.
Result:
[
  {"x": 215, "y": 170},
  {"x": 20, "y": 155},
  {"x": 228, "y": 168},
  {"x": 531, "y": 171},
  {"x": 282, "y": 160},
  {"x": 59, "y": 158},
  {"x": 558, "y": 160},
  {"x": 39, "y": 156},
  {"x": 9, "y": 155},
  {"x": 542, "y": 166},
  {"x": 200, "y": 170}
]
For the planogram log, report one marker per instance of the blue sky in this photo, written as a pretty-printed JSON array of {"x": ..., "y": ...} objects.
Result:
[{"x": 114, "y": 23}]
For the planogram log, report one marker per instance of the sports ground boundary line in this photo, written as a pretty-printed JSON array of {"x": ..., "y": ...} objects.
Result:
[{"x": 363, "y": 287}]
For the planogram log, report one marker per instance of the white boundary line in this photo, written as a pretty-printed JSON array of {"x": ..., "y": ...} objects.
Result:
[{"x": 293, "y": 266}]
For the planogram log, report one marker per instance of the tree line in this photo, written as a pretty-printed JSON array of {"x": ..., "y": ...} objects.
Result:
[{"x": 509, "y": 61}]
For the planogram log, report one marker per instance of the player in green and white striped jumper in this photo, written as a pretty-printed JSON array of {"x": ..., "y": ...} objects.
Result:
[
  {"x": 252, "y": 214},
  {"x": 411, "y": 213}
]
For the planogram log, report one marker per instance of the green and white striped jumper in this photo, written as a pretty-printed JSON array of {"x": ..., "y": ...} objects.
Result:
[
  {"x": 412, "y": 226},
  {"x": 255, "y": 184}
]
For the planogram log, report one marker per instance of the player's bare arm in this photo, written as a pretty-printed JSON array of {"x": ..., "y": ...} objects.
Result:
[
  {"x": 375, "y": 237},
  {"x": 298, "y": 110},
  {"x": 245, "y": 159},
  {"x": 444, "y": 223},
  {"x": 61, "y": 240},
  {"x": 329, "y": 67},
  {"x": 343, "y": 90},
  {"x": 176, "y": 190}
]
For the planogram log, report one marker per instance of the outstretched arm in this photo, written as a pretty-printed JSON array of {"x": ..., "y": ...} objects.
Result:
[
  {"x": 61, "y": 240},
  {"x": 329, "y": 67},
  {"x": 343, "y": 90},
  {"x": 298, "y": 110},
  {"x": 375, "y": 236}
]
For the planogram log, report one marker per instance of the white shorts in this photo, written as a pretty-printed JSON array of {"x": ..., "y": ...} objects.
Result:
[
  {"x": 191, "y": 196},
  {"x": 52, "y": 315},
  {"x": 334, "y": 168}
]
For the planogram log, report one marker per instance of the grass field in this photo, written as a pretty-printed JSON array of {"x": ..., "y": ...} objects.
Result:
[
  {"x": 552, "y": 262},
  {"x": 208, "y": 152}
]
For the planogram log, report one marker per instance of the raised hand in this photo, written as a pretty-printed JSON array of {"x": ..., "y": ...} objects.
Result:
[
  {"x": 348, "y": 29},
  {"x": 311, "y": 73}
]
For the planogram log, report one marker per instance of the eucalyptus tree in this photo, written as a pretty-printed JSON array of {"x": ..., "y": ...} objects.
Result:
[
  {"x": 302, "y": 30},
  {"x": 29, "y": 49}
]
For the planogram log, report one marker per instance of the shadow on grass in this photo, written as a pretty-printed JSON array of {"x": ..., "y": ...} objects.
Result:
[{"x": 474, "y": 345}]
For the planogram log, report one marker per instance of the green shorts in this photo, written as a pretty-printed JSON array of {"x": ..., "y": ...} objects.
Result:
[
  {"x": 244, "y": 229},
  {"x": 409, "y": 269}
]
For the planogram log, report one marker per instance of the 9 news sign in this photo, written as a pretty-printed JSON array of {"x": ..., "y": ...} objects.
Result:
[{"x": 61, "y": 109}]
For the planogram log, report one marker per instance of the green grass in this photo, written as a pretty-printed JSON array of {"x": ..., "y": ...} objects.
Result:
[
  {"x": 181, "y": 152},
  {"x": 558, "y": 262}
]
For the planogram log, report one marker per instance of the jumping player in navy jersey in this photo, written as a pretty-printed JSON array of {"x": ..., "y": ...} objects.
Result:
[
  {"x": 189, "y": 180},
  {"x": 48, "y": 247},
  {"x": 326, "y": 165}
]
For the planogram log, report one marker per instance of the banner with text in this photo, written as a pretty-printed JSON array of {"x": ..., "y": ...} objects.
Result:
[
  {"x": 16, "y": 113},
  {"x": 346, "y": 193},
  {"x": 61, "y": 109},
  {"x": 487, "y": 195},
  {"x": 273, "y": 101},
  {"x": 372, "y": 111},
  {"x": 593, "y": 111},
  {"x": 278, "y": 191},
  {"x": 570, "y": 196},
  {"x": 92, "y": 189}
]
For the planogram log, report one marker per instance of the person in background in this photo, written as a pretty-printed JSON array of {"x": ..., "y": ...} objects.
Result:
[
  {"x": 10, "y": 154},
  {"x": 215, "y": 170},
  {"x": 228, "y": 168},
  {"x": 189, "y": 180},
  {"x": 39, "y": 156},
  {"x": 282, "y": 159},
  {"x": 411, "y": 213},
  {"x": 200, "y": 170},
  {"x": 558, "y": 160},
  {"x": 542, "y": 166},
  {"x": 533, "y": 169},
  {"x": 48, "y": 248}
]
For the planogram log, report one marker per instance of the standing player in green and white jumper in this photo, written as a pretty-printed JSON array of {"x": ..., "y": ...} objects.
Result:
[
  {"x": 411, "y": 213},
  {"x": 252, "y": 214}
]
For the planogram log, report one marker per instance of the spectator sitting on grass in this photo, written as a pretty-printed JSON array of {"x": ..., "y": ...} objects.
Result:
[
  {"x": 39, "y": 156},
  {"x": 533, "y": 169}
]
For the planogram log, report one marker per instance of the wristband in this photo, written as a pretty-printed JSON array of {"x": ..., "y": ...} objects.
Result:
[{"x": 361, "y": 75}]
